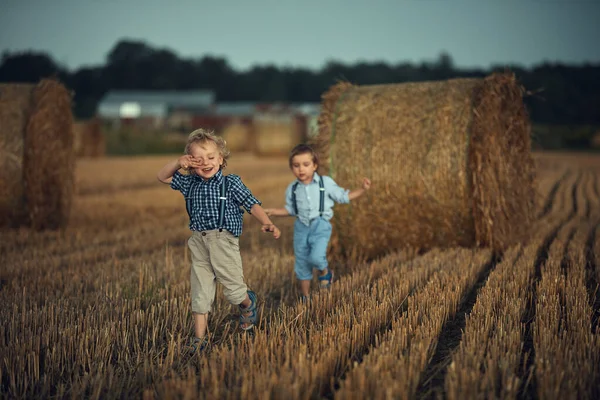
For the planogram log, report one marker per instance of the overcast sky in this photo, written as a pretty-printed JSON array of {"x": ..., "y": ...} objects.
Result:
[{"x": 476, "y": 33}]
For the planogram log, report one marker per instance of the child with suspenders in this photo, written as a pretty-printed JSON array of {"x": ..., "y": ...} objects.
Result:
[
  {"x": 213, "y": 203},
  {"x": 312, "y": 229}
]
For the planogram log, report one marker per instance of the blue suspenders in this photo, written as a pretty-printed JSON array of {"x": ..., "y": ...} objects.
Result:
[
  {"x": 222, "y": 202},
  {"x": 321, "y": 197}
]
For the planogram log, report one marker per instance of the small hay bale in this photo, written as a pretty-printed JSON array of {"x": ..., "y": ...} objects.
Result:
[
  {"x": 36, "y": 141},
  {"x": 88, "y": 139},
  {"x": 238, "y": 136},
  {"x": 79, "y": 136},
  {"x": 97, "y": 141},
  {"x": 15, "y": 106},
  {"x": 276, "y": 135},
  {"x": 450, "y": 163},
  {"x": 595, "y": 141}
]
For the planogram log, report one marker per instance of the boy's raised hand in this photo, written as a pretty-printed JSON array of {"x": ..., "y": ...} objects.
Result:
[
  {"x": 366, "y": 183},
  {"x": 271, "y": 228},
  {"x": 188, "y": 162}
]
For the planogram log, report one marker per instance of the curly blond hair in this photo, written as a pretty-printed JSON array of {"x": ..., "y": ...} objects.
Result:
[{"x": 203, "y": 136}]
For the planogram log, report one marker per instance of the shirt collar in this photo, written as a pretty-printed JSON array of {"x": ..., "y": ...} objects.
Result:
[
  {"x": 314, "y": 179},
  {"x": 216, "y": 178}
]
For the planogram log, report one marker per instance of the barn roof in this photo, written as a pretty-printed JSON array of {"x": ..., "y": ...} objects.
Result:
[{"x": 153, "y": 103}]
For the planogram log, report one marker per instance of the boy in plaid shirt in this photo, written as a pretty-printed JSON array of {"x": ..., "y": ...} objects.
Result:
[{"x": 213, "y": 203}]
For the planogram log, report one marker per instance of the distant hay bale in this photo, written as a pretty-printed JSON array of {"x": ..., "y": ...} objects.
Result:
[
  {"x": 450, "y": 163},
  {"x": 88, "y": 138},
  {"x": 79, "y": 128},
  {"x": 36, "y": 131},
  {"x": 276, "y": 135},
  {"x": 238, "y": 136},
  {"x": 97, "y": 141},
  {"x": 595, "y": 141}
]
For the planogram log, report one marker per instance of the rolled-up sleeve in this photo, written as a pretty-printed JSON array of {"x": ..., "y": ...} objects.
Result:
[
  {"x": 289, "y": 205},
  {"x": 336, "y": 193},
  {"x": 180, "y": 182},
  {"x": 241, "y": 194}
]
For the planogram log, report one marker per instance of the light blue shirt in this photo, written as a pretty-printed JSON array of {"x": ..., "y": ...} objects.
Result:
[{"x": 308, "y": 198}]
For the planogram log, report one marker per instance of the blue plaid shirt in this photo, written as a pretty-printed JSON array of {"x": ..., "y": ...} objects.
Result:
[{"x": 203, "y": 196}]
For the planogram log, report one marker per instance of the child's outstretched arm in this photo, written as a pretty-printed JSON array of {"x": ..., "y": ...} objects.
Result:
[
  {"x": 283, "y": 211},
  {"x": 165, "y": 175},
  {"x": 277, "y": 212},
  {"x": 267, "y": 226},
  {"x": 356, "y": 193}
]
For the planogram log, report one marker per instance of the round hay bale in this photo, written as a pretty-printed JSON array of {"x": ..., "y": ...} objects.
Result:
[
  {"x": 88, "y": 139},
  {"x": 97, "y": 141},
  {"x": 48, "y": 159},
  {"x": 37, "y": 154},
  {"x": 276, "y": 135},
  {"x": 238, "y": 136},
  {"x": 595, "y": 141},
  {"x": 15, "y": 106},
  {"x": 79, "y": 137},
  {"x": 450, "y": 163}
]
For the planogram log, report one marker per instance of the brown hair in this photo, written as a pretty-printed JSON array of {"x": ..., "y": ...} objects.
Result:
[
  {"x": 203, "y": 136},
  {"x": 304, "y": 149}
]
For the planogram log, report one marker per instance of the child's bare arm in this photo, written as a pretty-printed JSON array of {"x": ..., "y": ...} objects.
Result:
[
  {"x": 283, "y": 211},
  {"x": 267, "y": 226},
  {"x": 366, "y": 185},
  {"x": 277, "y": 212},
  {"x": 165, "y": 175}
]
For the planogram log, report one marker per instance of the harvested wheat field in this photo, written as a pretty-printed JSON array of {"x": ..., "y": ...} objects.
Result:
[{"x": 102, "y": 309}]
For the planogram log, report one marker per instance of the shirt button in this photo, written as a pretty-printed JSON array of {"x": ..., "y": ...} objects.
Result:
[{"x": 203, "y": 233}]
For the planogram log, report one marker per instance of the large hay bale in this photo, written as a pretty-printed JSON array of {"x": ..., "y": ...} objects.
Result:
[
  {"x": 276, "y": 135},
  {"x": 450, "y": 163},
  {"x": 238, "y": 136},
  {"x": 38, "y": 137}
]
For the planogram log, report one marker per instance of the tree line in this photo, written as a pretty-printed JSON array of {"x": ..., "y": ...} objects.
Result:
[{"x": 557, "y": 93}]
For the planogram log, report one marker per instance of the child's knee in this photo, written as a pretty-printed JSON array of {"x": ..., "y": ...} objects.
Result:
[
  {"x": 318, "y": 260},
  {"x": 235, "y": 294}
]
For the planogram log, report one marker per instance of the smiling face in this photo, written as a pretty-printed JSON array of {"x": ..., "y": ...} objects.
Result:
[
  {"x": 303, "y": 167},
  {"x": 207, "y": 153}
]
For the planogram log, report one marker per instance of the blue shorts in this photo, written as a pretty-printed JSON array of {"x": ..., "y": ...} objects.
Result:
[{"x": 310, "y": 247}]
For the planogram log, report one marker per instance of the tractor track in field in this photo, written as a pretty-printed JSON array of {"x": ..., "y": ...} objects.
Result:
[{"x": 431, "y": 384}]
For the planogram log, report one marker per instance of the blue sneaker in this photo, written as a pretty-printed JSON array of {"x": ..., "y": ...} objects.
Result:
[
  {"x": 248, "y": 315},
  {"x": 197, "y": 345},
  {"x": 326, "y": 280}
]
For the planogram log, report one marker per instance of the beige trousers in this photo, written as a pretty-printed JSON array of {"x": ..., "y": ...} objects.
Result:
[{"x": 215, "y": 258}]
